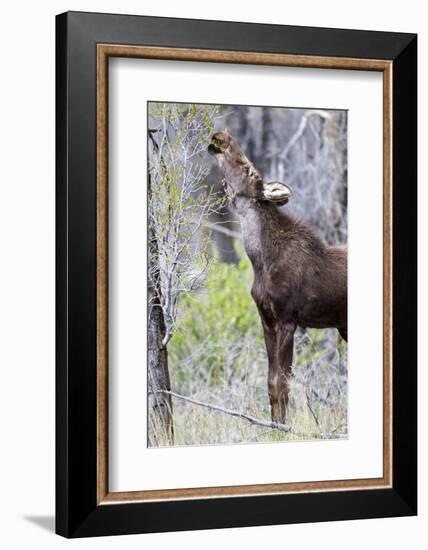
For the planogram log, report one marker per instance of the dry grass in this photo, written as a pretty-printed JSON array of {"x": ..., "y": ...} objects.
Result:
[{"x": 318, "y": 398}]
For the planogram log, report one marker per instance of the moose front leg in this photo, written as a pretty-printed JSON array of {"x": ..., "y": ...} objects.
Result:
[{"x": 279, "y": 372}]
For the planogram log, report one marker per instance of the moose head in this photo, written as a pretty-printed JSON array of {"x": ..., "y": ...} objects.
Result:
[{"x": 241, "y": 177}]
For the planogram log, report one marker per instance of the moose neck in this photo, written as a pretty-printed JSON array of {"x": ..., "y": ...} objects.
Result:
[{"x": 258, "y": 219}]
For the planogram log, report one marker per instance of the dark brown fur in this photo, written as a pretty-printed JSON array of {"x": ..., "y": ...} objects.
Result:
[{"x": 298, "y": 280}]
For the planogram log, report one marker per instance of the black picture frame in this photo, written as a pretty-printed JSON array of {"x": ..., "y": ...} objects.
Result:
[{"x": 77, "y": 511}]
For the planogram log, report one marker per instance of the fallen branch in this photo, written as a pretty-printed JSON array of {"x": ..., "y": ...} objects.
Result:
[{"x": 256, "y": 421}]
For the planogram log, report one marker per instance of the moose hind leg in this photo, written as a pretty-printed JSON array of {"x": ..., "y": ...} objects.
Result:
[
  {"x": 278, "y": 394},
  {"x": 280, "y": 376}
]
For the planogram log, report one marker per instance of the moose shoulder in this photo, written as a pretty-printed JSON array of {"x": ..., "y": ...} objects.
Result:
[{"x": 298, "y": 280}]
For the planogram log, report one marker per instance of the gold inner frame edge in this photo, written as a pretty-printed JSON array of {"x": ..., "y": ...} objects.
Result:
[{"x": 104, "y": 51}]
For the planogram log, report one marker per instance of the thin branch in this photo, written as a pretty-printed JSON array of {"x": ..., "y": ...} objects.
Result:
[
  {"x": 299, "y": 132},
  {"x": 308, "y": 402},
  {"x": 224, "y": 230}
]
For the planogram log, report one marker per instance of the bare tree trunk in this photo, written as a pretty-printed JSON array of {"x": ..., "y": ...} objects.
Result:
[
  {"x": 238, "y": 124},
  {"x": 223, "y": 216},
  {"x": 160, "y": 428},
  {"x": 266, "y": 161},
  {"x": 160, "y": 404}
]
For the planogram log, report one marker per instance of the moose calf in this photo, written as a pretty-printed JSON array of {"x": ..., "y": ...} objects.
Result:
[{"x": 298, "y": 280}]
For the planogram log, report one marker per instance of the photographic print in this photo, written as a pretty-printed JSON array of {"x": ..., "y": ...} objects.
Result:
[{"x": 247, "y": 274}]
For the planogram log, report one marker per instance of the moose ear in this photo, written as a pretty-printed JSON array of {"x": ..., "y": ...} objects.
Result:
[{"x": 277, "y": 192}]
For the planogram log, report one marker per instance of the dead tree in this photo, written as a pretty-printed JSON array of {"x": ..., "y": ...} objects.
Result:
[
  {"x": 179, "y": 202},
  {"x": 160, "y": 403},
  {"x": 222, "y": 220}
]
